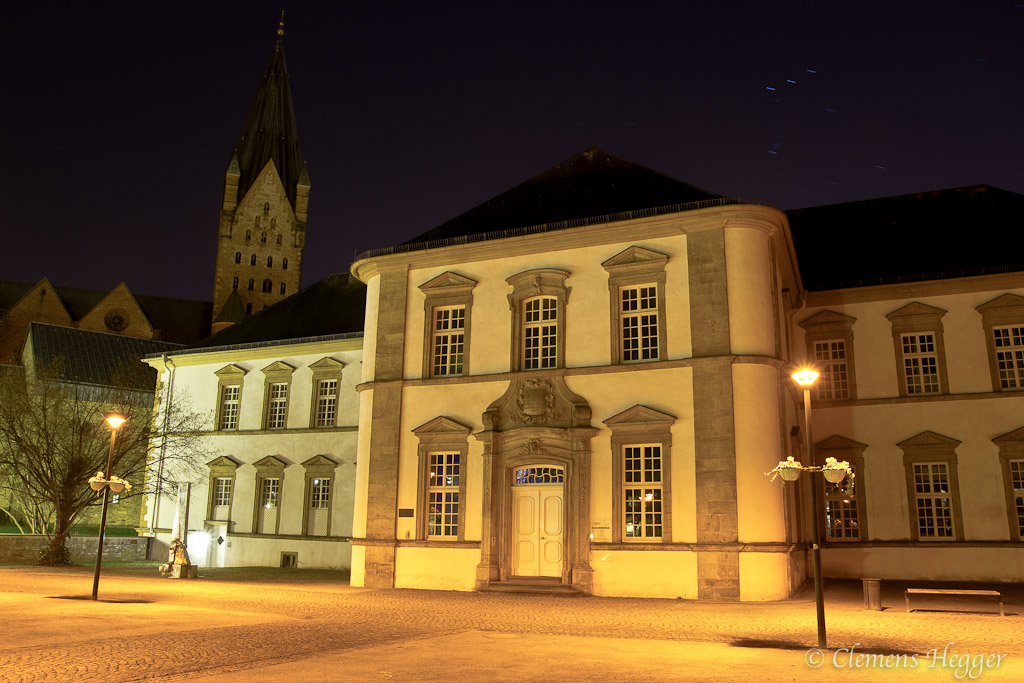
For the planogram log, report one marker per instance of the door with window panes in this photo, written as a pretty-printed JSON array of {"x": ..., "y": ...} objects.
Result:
[{"x": 537, "y": 521}]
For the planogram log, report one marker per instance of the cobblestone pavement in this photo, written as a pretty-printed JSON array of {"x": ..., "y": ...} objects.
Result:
[{"x": 145, "y": 627}]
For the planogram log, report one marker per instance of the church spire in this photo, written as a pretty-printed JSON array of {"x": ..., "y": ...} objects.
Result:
[{"x": 269, "y": 131}]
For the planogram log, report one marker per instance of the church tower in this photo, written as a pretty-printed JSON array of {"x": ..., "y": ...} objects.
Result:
[{"x": 262, "y": 230}]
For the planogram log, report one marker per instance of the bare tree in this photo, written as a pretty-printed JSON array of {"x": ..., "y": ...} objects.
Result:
[{"x": 53, "y": 437}]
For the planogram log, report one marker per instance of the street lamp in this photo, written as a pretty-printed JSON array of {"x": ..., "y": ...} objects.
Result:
[
  {"x": 107, "y": 484},
  {"x": 834, "y": 472}
]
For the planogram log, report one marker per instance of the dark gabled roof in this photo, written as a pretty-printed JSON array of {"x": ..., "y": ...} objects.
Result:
[
  {"x": 96, "y": 357},
  {"x": 958, "y": 232},
  {"x": 233, "y": 310},
  {"x": 269, "y": 131},
  {"x": 592, "y": 183},
  {"x": 332, "y": 306},
  {"x": 182, "y": 321}
]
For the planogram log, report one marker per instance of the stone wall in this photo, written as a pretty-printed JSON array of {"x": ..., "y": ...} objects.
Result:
[{"x": 24, "y": 549}]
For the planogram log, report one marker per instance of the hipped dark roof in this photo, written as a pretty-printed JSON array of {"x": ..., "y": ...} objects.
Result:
[
  {"x": 182, "y": 321},
  {"x": 96, "y": 357},
  {"x": 270, "y": 131},
  {"x": 591, "y": 183},
  {"x": 333, "y": 306},
  {"x": 958, "y": 232}
]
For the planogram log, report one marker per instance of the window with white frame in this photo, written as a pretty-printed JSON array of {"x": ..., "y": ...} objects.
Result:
[
  {"x": 443, "y": 473},
  {"x": 221, "y": 505},
  {"x": 326, "y": 402},
  {"x": 933, "y": 500},
  {"x": 449, "y": 336},
  {"x": 830, "y": 359},
  {"x": 540, "y": 333},
  {"x": 229, "y": 400},
  {"x": 1009, "y": 345},
  {"x": 318, "y": 515},
  {"x": 277, "y": 405},
  {"x": 920, "y": 364},
  {"x": 642, "y": 501},
  {"x": 638, "y": 322},
  {"x": 268, "y": 502}
]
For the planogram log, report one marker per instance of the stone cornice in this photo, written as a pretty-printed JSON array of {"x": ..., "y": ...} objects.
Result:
[
  {"x": 826, "y": 405},
  {"x": 914, "y": 290},
  {"x": 243, "y": 352}
]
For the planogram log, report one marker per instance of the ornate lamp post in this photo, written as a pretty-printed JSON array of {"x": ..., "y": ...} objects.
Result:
[
  {"x": 107, "y": 484},
  {"x": 834, "y": 472}
]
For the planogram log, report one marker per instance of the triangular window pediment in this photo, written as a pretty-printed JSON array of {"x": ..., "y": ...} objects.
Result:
[
  {"x": 327, "y": 363},
  {"x": 1015, "y": 437},
  {"x": 839, "y": 443},
  {"x": 635, "y": 255},
  {"x": 278, "y": 367},
  {"x": 916, "y": 310},
  {"x": 231, "y": 372},
  {"x": 1002, "y": 301},
  {"x": 320, "y": 461},
  {"x": 271, "y": 462},
  {"x": 830, "y": 318},
  {"x": 639, "y": 414},
  {"x": 448, "y": 281},
  {"x": 928, "y": 438},
  {"x": 223, "y": 462},
  {"x": 441, "y": 425}
]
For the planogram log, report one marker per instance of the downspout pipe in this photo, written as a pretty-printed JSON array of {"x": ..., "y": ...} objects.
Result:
[{"x": 168, "y": 364}]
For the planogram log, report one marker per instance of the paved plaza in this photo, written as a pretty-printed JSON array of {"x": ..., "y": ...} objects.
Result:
[{"x": 258, "y": 625}]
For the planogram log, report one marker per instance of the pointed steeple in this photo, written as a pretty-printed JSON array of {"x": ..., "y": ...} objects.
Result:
[{"x": 269, "y": 131}]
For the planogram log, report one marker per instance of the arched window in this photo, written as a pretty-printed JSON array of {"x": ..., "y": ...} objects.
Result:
[
  {"x": 234, "y": 283},
  {"x": 256, "y": 223},
  {"x": 279, "y": 240},
  {"x": 282, "y": 288},
  {"x": 252, "y": 284},
  {"x": 238, "y": 257},
  {"x": 268, "y": 286},
  {"x": 263, "y": 237},
  {"x": 266, "y": 207},
  {"x": 270, "y": 262},
  {"x": 252, "y": 260},
  {"x": 248, "y": 235},
  {"x": 248, "y": 309},
  {"x": 284, "y": 263}
]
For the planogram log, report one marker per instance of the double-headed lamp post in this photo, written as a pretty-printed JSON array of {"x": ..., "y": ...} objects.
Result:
[
  {"x": 106, "y": 484},
  {"x": 833, "y": 471}
]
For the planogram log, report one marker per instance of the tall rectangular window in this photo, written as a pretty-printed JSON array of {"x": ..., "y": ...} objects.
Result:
[
  {"x": 1017, "y": 482},
  {"x": 638, "y": 321},
  {"x": 269, "y": 496},
  {"x": 920, "y": 363},
  {"x": 841, "y": 521},
  {"x": 229, "y": 406},
  {"x": 642, "y": 499},
  {"x": 443, "y": 495},
  {"x": 221, "y": 503},
  {"x": 277, "y": 407},
  {"x": 540, "y": 333},
  {"x": 449, "y": 340},
  {"x": 318, "y": 516},
  {"x": 1009, "y": 343},
  {"x": 326, "y": 402},
  {"x": 933, "y": 500},
  {"x": 830, "y": 357}
]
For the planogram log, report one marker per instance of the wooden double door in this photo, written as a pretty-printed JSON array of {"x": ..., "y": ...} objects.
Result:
[{"x": 538, "y": 530}]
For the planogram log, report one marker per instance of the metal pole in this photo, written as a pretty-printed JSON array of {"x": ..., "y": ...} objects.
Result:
[
  {"x": 103, "y": 517},
  {"x": 819, "y": 598}
]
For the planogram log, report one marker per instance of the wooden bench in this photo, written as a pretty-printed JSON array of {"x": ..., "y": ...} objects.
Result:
[{"x": 952, "y": 591}]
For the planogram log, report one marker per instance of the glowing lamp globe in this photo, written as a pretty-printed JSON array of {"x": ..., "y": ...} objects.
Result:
[
  {"x": 805, "y": 377},
  {"x": 115, "y": 420}
]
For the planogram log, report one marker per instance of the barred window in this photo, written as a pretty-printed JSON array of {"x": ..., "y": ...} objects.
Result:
[
  {"x": 642, "y": 492},
  {"x": 638, "y": 311},
  {"x": 229, "y": 395},
  {"x": 1009, "y": 343},
  {"x": 933, "y": 500},
  {"x": 326, "y": 402},
  {"x": 540, "y": 475},
  {"x": 830, "y": 357},
  {"x": 540, "y": 333},
  {"x": 277, "y": 407},
  {"x": 449, "y": 340},
  {"x": 920, "y": 363},
  {"x": 443, "y": 495}
]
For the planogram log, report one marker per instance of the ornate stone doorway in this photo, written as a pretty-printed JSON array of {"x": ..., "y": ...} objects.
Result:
[{"x": 537, "y": 423}]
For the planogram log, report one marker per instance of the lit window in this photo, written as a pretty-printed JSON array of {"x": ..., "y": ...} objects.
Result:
[
  {"x": 841, "y": 522},
  {"x": 642, "y": 502},
  {"x": 326, "y": 402},
  {"x": 277, "y": 407},
  {"x": 638, "y": 322},
  {"x": 229, "y": 395},
  {"x": 920, "y": 364},
  {"x": 1017, "y": 482},
  {"x": 443, "y": 496},
  {"x": 270, "y": 493},
  {"x": 1009, "y": 344},
  {"x": 221, "y": 503},
  {"x": 320, "y": 494},
  {"x": 449, "y": 340},
  {"x": 830, "y": 359},
  {"x": 319, "y": 513},
  {"x": 540, "y": 333},
  {"x": 933, "y": 500}
]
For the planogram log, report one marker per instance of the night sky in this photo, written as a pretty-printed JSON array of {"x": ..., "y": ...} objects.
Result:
[{"x": 119, "y": 118}]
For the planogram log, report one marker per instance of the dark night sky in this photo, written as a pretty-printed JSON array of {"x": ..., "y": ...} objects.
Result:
[{"x": 119, "y": 118}]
